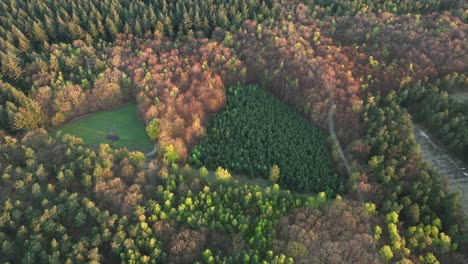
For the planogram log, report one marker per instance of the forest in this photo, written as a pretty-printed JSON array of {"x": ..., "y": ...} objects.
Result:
[
  {"x": 283, "y": 131},
  {"x": 445, "y": 116},
  {"x": 255, "y": 132}
]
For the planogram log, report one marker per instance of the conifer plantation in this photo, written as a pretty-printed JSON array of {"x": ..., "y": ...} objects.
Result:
[
  {"x": 283, "y": 131},
  {"x": 255, "y": 131}
]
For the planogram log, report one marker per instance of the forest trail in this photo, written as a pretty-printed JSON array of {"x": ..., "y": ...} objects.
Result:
[
  {"x": 331, "y": 126},
  {"x": 150, "y": 155},
  {"x": 336, "y": 142},
  {"x": 436, "y": 155},
  {"x": 153, "y": 152}
]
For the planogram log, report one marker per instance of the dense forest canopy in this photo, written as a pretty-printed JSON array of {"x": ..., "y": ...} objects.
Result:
[
  {"x": 363, "y": 72},
  {"x": 255, "y": 131}
]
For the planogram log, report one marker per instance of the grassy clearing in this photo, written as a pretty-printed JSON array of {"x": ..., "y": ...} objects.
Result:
[{"x": 119, "y": 127}]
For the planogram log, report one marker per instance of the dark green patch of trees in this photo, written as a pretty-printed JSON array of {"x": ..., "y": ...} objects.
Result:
[
  {"x": 353, "y": 7},
  {"x": 29, "y": 24},
  {"x": 446, "y": 118},
  {"x": 256, "y": 131},
  {"x": 18, "y": 113}
]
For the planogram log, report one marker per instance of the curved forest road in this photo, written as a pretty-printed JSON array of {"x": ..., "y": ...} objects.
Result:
[
  {"x": 151, "y": 155},
  {"x": 153, "y": 152}
]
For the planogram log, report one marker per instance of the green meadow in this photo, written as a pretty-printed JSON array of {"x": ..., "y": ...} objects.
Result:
[{"x": 119, "y": 127}]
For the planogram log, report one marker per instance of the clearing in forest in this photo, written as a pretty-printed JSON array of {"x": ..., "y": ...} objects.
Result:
[
  {"x": 453, "y": 169},
  {"x": 118, "y": 127},
  {"x": 459, "y": 96},
  {"x": 255, "y": 131}
]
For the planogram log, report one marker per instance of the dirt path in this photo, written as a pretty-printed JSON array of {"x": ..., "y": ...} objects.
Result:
[
  {"x": 455, "y": 170},
  {"x": 153, "y": 152},
  {"x": 151, "y": 155},
  {"x": 336, "y": 142},
  {"x": 331, "y": 126}
]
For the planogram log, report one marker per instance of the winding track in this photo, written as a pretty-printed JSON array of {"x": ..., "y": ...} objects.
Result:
[
  {"x": 151, "y": 155},
  {"x": 153, "y": 152}
]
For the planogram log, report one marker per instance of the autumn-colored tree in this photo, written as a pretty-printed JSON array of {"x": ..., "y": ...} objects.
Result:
[{"x": 274, "y": 174}]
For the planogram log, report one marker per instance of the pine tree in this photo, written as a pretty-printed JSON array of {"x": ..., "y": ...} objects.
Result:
[
  {"x": 39, "y": 34},
  {"x": 111, "y": 29},
  {"x": 11, "y": 66},
  {"x": 186, "y": 24}
]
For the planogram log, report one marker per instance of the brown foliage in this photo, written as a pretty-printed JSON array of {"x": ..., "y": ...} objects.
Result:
[
  {"x": 335, "y": 234},
  {"x": 181, "y": 87},
  {"x": 186, "y": 246}
]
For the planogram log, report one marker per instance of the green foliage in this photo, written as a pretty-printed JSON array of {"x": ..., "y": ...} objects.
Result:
[
  {"x": 386, "y": 253},
  {"x": 76, "y": 64},
  {"x": 47, "y": 220},
  {"x": 317, "y": 201},
  {"x": 170, "y": 156},
  {"x": 412, "y": 213},
  {"x": 274, "y": 174},
  {"x": 353, "y": 7},
  {"x": 395, "y": 237},
  {"x": 203, "y": 172},
  {"x": 446, "y": 118},
  {"x": 429, "y": 258},
  {"x": 222, "y": 174},
  {"x": 428, "y": 236},
  {"x": 18, "y": 112},
  {"x": 392, "y": 217},
  {"x": 411, "y": 187},
  {"x": 126, "y": 84},
  {"x": 377, "y": 232},
  {"x": 63, "y": 202},
  {"x": 153, "y": 128},
  {"x": 371, "y": 208},
  {"x": 93, "y": 225},
  {"x": 103, "y": 20},
  {"x": 208, "y": 256},
  {"x": 256, "y": 131}
]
